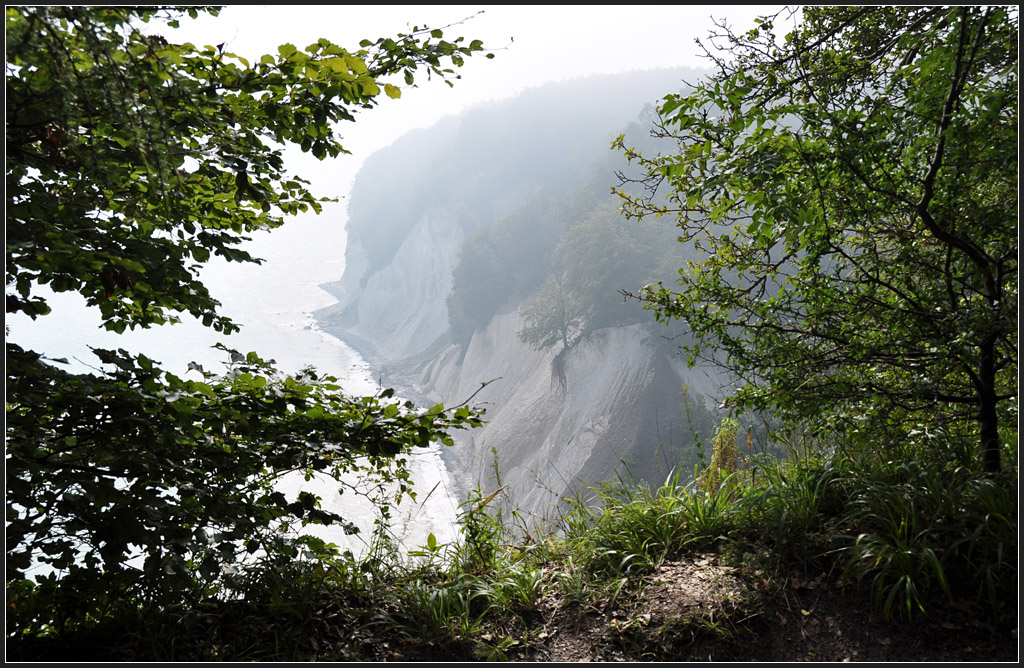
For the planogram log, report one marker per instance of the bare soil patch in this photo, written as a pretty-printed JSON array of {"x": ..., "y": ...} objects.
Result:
[{"x": 699, "y": 609}]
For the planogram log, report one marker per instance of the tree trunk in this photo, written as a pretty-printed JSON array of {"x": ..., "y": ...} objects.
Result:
[{"x": 988, "y": 419}]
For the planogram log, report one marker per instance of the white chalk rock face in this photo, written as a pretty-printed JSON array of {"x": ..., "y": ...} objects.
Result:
[
  {"x": 620, "y": 403},
  {"x": 399, "y": 310},
  {"x": 402, "y": 309},
  {"x": 555, "y": 422}
]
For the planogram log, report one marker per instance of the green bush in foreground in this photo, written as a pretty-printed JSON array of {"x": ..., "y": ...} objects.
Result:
[{"x": 132, "y": 161}]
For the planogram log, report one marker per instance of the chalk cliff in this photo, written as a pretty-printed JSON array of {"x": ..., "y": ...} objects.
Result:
[
  {"x": 624, "y": 393},
  {"x": 621, "y": 402},
  {"x": 396, "y": 311}
]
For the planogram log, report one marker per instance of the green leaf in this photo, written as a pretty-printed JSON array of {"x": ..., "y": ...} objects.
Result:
[
  {"x": 140, "y": 158},
  {"x": 790, "y": 170}
]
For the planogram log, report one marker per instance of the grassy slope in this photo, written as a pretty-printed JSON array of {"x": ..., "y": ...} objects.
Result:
[{"x": 825, "y": 558}]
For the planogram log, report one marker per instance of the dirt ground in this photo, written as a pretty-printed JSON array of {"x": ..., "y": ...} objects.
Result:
[{"x": 698, "y": 610}]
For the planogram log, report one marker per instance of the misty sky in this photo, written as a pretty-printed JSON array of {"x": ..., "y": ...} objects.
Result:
[{"x": 532, "y": 45}]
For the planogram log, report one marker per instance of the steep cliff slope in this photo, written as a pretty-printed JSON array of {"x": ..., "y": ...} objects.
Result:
[
  {"x": 621, "y": 403},
  {"x": 428, "y": 208}
]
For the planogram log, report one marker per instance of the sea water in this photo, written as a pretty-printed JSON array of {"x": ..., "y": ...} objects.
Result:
[{"x": 273, "y": 303}]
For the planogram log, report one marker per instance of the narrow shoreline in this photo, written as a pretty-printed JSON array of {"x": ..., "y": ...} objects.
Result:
[
  {"x": 325, "y": 320},
  {"x": 443, "y": 524},
  {"x": 379, "y": 366}
]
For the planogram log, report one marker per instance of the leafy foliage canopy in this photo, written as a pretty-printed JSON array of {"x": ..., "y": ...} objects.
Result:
[
  {"x": 852, "y": 187},
  {"x": 131, "y": 161}
]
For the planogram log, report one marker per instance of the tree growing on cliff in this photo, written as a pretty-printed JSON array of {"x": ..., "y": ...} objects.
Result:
[
  {"x": 131, "y": 160},
  {"x": 554, "y": 314},
  {"x": 853, "y": 188}
]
